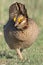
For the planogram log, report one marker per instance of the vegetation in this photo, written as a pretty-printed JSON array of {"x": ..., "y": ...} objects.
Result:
[{"x": 34, "y": 54}]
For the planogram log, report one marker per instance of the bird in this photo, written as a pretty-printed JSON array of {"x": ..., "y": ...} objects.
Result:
[{"x": 20, "y": 31}]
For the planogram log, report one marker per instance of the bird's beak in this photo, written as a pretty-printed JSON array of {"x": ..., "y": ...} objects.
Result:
[{"x": 16, "y": 23}]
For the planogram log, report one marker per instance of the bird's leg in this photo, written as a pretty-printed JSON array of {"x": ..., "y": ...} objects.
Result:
[
  {"x": 19, "y": 53},
  {"x": 21, "y": 50}
]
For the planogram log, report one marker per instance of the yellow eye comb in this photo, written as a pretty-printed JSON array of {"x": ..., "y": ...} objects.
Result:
[
  {"x": 20, "y": 19},
  {"x": 14, "y": 19}
]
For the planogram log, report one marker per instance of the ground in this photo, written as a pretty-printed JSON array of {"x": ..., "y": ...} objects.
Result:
[{"x": 32, "y": 55}]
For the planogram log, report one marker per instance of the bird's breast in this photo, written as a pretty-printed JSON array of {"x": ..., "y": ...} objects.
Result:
[{"x": 30, "y": 34}]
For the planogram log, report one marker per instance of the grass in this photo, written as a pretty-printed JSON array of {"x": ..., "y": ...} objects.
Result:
[{"x": 34, "y": 54}]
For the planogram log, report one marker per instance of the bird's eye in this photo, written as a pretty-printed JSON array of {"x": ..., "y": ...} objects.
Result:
[
  {"x": 20, "y": 19},
  {"x": 20, "y": 22}
]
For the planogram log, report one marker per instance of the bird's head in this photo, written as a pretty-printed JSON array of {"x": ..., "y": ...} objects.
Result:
[
  {"x": 18, "y": 13},
  {"x": 20, "y": 21}
]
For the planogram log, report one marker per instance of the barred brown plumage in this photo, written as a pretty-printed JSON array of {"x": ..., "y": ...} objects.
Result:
[{"x": 24, "y": 34}]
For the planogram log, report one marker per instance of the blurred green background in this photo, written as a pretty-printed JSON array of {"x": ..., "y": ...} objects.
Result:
[{"x": 34, "y": 54}]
